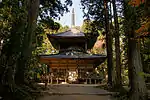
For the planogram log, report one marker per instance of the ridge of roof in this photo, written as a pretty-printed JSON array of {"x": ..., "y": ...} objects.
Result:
[{"x": 71, "y": 32}]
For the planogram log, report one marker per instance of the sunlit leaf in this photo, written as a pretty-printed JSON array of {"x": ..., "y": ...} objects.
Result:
[
  {"x": 144, "y": 29},
  {"x": 136, "y": 2}
]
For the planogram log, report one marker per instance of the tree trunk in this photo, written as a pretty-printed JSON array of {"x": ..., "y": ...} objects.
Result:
[
  {"x": 127, "y": 33},
  {"x": 138, "y": 86},
  {"x": 33, "y": 10},
  {"x": 129, "y": 54},
  {"x": 108, "y": 45},
  {"x": 117, "y": 48}
]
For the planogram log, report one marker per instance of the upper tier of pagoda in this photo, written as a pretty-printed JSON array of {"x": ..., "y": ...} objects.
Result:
[{"x": 72, "y": 37}]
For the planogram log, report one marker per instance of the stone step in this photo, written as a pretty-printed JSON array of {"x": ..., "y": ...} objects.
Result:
[{"x": 62, "y": 93}]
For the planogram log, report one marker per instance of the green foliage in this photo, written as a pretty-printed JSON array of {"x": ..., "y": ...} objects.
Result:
[
  {"x": 145, "y": 54},
  {"x": 20, "y": 37},
  {"x": 63, "y": 29},
  {"x": 122, "y": 97},
  {"x": 93, "y": 25},
  {"x": 94, "y": 9},
  {"x": 91, "y": 28},
  {"x": 134, "y": 17},
  {"x": 53, "y": 8},
  {"x": 144, "y": 74},
  {"x": 43, "y": 46}
]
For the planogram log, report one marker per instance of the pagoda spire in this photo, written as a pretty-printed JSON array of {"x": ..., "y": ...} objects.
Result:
[{"x": 73, "y": 18}]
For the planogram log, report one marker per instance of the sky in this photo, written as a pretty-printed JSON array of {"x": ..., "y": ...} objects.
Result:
[{"x": 66, "y": 19}]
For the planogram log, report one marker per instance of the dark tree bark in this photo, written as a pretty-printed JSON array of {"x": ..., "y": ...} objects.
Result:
[
  {"x": 108, "y": 44},
  {"x": 118, "y": 83},
  {"x": 138, "y": 86},
  {"x": 138, "y": 89},
  {"x": 129, "y": 62},
  {"x": 33, "y": 10}
]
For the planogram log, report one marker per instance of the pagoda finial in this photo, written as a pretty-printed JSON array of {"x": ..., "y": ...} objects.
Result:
[{"x": 73, "y": 18}]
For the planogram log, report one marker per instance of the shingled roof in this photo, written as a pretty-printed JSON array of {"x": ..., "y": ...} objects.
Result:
[
  {"x": 75, "y": 55},
  {"x": 70, "y": 33}
]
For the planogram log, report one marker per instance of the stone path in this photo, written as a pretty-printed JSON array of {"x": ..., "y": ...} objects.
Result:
[{"x": 75, "y": 92}]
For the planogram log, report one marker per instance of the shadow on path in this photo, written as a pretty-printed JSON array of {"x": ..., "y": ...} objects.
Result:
[{"x": 75, "y": 92}]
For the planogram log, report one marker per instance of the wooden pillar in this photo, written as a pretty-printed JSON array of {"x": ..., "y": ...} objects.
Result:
[
  {"x": 48, "y": 76},
  {"x": 86, "y": 46},
  {"x": 67, "y": 72},
  {"x": 57, "y": 80},
  {"x": 57, "y": 76},
  {"x": 90, "y": 81},
  {"x": 64, "y": 74},
  {"x": 51, "y": 80},
  {"x": 80, "y": 73},
  {"x": 48, "y": 73},
  {"x": 95, "y": 81},
  {"x": 86, "y": 80},
  {"x": 65, "y": 79},
  {"x": 51, "y": 76},
  {"x": 86, "y": 73}
]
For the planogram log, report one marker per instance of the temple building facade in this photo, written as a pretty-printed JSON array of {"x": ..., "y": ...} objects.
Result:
[{"x": 72, "y": 64}]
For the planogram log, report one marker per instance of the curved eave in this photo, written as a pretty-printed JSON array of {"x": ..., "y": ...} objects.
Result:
[
  {"x": 68, "y": 38},
  {"x": 56, "y": 40},
  {"x": 95, "y": 60}
]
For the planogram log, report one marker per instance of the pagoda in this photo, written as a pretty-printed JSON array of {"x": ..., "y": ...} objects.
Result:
[{"x": 72, "y": 64}]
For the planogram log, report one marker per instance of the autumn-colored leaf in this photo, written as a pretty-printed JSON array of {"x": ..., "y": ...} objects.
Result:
[
  {"x": 144, "y": 29},
  {"x": 136, "y": 2},
  {"x": 144, "y": 26}
]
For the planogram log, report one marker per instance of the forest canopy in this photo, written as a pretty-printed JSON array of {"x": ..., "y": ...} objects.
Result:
[{"x": 122, "y": 25}]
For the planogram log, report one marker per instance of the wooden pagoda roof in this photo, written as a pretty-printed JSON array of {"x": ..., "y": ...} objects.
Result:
[
  {"x": 63, "y": 56},
  {"x": 73, "y": 58},
  {"x": 70, "y": 33},
  {"x": 71, "y": 36}
]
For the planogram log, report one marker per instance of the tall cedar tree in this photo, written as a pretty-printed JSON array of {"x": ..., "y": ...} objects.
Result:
[
  {"x": 138, "y": 87},
  {"x": 117, "y": 47},
  {"x": 108, "y": 44}
]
